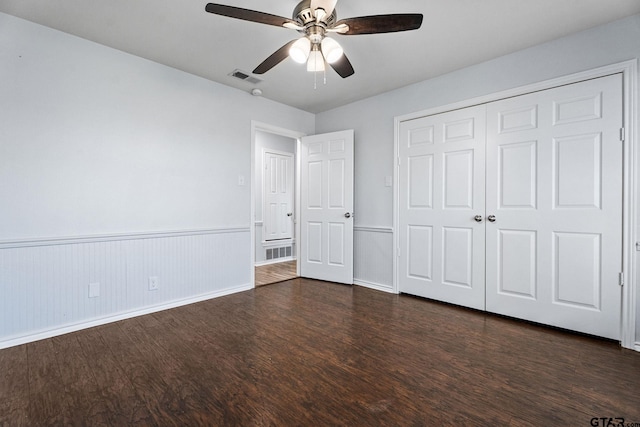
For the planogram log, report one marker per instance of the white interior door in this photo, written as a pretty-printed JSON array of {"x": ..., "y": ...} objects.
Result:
[
  {"x": 441, "y": 191},
  {"x": 554, "y": 185},
  {"x": 278, "y": 195},
  {"x": 326, "y": 216}
]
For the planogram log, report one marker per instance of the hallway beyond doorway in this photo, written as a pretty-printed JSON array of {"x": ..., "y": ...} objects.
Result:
[{"x": 273, "y": 273}]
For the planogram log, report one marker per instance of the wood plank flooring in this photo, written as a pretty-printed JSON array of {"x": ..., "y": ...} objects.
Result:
[
  {"x": 309, "y": 353},
  {"x": 274, "y": 273}
]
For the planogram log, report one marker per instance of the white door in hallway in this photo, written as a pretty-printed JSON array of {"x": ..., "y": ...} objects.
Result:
[
  {"x": 441, "y": 207},
  {"x": 278, "y": 195},
  {"x": 554, "y": 186},
  {"x": 326, "y": 217}
]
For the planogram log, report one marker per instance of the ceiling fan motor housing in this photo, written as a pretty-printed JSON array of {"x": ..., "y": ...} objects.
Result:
[{"x": 305, "y": 17}]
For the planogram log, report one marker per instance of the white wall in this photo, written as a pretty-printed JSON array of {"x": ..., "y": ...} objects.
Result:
[
  {"x": 82, "y": 122},
  {"x": 373, "y": 118},
  {"x": 96, "y": 142}
]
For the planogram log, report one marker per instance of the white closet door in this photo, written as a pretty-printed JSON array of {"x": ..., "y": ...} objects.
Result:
[
  {"x": 441, "y": 190},
  {"x": 278, "y": 195},
  {"x": 554, "y": 185}
]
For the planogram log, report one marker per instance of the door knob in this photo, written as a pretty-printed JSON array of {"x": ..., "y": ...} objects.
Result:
[
  {"x": 347, "y": 215},
  {"x": 478, "y": 218},
  {"x": 290, "y": 214},
  {"x": 491, "y": 218}
]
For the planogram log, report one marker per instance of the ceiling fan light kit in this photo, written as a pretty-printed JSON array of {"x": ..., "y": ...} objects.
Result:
[
  {"x": 315, "y": 63},
  {"x": 299, "y": 51},
  {"x": 331, "y": 50},
  {"x": 314, "y": 19}
]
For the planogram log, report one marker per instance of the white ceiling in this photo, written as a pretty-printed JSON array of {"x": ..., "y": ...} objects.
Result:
[{"x": 454, "y": 34}]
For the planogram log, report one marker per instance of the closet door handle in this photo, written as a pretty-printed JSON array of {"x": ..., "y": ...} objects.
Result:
[
  {"x": 478, "y": 218},
  {"x": 491, "y": 218}
]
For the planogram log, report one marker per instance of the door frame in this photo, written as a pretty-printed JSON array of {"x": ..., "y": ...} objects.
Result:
[
  {"x": 631, "y": 166},
  {"x": 257, "y": 126}
]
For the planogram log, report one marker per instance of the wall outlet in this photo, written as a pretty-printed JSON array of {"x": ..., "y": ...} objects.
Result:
[
  {"x": 153, "y": 283},
  {"x": 94, "y": 290}
]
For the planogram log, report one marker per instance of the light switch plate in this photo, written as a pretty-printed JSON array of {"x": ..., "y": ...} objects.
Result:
[{"x": 94, "y": 290}]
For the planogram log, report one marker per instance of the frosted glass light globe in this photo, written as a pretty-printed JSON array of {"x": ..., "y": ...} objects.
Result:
[
  {"x": 331, "y": 50},
  {"x": 299, "y": 51}
]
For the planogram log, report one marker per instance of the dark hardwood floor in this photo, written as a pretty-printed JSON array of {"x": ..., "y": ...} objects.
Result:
[
  {"x": 308, "y": 353},
  {"x": 274, "y": 273}
]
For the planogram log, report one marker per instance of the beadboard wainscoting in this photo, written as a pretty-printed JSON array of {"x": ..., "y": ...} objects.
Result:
[
  {"x": 373, "y": 257},
  {"x": 55, "y": 286}
]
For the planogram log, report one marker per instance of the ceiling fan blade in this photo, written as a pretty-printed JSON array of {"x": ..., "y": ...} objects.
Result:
[
  {"x": 343, "y": 67},
  {"x": 247, "y": 15},
  {"x": 327, "y": 5},
  {"x": 391, "y": 23},
  {"x": 276, "y": 57}
]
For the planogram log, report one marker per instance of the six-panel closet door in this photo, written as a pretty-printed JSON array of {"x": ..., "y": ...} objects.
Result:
[
  {"x": 515, "y": 206},
  {"x": 554, "y": 185},
  {"x": 441, "y": 193}
]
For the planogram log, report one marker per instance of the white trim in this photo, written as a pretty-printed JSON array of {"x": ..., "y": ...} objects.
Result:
[
  {"x": 630, "y": 227},
  {"x": 395, "y": 278},
  {"x": 72, "y": 240},
  {"x": 265, "y": 127},
  {"x": 277, "y": 243},
  {"x": 629, "y": 70},
  {"x": 298, "y": 205},
  {"x": 275, "y": 261},
  {"x": 374, "y": 286},
  {"x": 49, "y": 333},
  {"x": 636, "y": 346},
  {"x": 370, "y": 229}
]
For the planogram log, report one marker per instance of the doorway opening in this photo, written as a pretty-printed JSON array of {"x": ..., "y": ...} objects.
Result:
[
  {"x": 274, "y": 273},
  {"x": 275, "y": 186}
]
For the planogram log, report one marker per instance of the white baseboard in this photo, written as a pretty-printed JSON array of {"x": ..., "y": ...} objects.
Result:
[
  {"x": 375, "y": 286},
  {"x": 274, "y": 261},
  {"x": 637, "y": 346},
  {"x": 117, "y": 317}
]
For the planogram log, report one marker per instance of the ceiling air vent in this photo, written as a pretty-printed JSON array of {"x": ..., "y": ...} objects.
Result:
[{"x": 243, "y": 75}]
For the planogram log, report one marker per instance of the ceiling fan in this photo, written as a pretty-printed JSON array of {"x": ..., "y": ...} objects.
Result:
[{"x": 315, "y": 20}]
